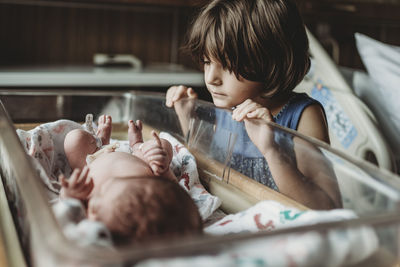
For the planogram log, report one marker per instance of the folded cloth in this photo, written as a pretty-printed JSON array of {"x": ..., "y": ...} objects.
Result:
[
  {"x": 45, "y": 144},
  {"x": 334, "y": 247},
  {"x": 270, "y": 215},
  {"x": 71, "y": 216}
]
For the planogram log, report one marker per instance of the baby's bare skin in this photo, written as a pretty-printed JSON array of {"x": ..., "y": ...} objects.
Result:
[
  {"x": 117, "y": 164},
  {"x": 150, "y": 158}
]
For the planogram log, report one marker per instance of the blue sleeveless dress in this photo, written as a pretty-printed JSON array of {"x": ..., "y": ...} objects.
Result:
[{"x": 246, "y": 158}]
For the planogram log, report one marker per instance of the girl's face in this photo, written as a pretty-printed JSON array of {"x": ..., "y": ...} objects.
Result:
[{"x": 226, "y": 90}]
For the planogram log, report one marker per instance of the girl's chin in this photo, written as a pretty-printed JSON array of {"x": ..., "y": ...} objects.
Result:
[{"x": 222, "y": 104}]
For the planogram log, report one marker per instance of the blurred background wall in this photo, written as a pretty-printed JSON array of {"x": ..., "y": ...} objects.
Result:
[{"x": 70, "y": 32}]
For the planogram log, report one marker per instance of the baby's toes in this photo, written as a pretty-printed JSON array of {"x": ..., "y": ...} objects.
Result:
[{"x": 134, "y": 132}]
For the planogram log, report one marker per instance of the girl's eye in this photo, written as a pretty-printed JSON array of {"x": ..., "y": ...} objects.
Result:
[{"x": 206, "y": 62}]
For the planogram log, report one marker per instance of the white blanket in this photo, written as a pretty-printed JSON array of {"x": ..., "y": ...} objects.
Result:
[{"x": 336, "y": 247}]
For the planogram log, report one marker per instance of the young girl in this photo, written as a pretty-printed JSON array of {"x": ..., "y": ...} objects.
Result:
[{"x": 254, "y": 53}]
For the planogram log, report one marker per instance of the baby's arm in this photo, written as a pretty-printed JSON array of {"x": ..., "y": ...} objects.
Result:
[{"x": 79, "y": 185}]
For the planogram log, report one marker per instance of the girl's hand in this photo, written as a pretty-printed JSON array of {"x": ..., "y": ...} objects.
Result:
[
  {"x": 79, "y": 185},
  {"x": 256, "y": 118},
  {"x": 156, "y": 155},
  {"x": 175, "y": 93}
]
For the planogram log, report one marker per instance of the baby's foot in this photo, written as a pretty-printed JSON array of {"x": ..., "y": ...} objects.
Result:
[
  {"x": 134, "y": 133},
  {"x": 104, "y": 128}
]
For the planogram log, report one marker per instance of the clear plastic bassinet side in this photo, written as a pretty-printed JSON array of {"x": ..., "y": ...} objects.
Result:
[
  {"x": 360, "y": 185},
  {"x": 375, "y": 205}
]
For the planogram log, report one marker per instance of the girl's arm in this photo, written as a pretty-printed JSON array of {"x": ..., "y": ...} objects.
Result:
[
  {"x": 313, "y": 123},
  {"x": 183, "y": 108},
  {"x": 309, "y": 180}
]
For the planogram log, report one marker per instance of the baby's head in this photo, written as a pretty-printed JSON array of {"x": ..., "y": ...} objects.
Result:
[
  {"x": 260, "y": 40},
  {"x": 144, "y": 208},
  {"x": 78, "y": 144}
]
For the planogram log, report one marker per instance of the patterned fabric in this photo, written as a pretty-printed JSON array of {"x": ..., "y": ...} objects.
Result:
[
  {"x": 185, "y": 169},
  {"x": 45, "y": 144},
  {"x": 246, "y": 158},
  {"x": 333, "y": 247}
]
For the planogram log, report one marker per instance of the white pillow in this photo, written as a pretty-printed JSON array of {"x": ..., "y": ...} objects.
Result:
[{"x": 382, "y": 62}]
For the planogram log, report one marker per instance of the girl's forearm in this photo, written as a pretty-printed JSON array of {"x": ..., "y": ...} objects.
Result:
[{"x": 292, "y": 183}]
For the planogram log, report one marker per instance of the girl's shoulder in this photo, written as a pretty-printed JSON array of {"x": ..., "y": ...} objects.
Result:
[{"x": 289, "y": 115}]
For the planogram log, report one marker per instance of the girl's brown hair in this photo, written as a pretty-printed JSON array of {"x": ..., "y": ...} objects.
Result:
[{"x": 259, "y": 40}]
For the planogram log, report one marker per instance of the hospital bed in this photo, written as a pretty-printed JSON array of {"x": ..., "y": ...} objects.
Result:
[
  {"x": 31, "y": 236},
  {"x": 353, "y": 128}
]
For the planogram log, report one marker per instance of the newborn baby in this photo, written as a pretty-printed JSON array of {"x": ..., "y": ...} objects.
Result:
[{"x": 136, "y": 195}]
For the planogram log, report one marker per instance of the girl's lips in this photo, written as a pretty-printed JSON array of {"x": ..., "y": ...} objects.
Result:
[{"x": 217, "y": 94}]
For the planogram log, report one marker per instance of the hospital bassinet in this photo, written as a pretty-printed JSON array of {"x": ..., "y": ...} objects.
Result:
[{"x": 29, "y": 232}]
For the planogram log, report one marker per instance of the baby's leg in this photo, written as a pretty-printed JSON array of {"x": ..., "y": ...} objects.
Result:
[
  {"x": 135, "y": 136},
  {"x": 104, "y": 129}
]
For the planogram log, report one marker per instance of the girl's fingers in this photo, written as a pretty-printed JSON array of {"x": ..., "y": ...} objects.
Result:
[
  {"x": 191, "y": 93},
  {"x": 170, "y": 94},
  {"x": 175, "y": 93},
  {"x": 260, "y": 113},
  {"x": 179, "y": 93},
  {"x": 240, "y": 113},
  {"x": 240, "y": 109}
]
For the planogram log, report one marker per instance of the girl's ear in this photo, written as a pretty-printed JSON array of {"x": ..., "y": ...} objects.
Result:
[{"x": 93, "y": 209}]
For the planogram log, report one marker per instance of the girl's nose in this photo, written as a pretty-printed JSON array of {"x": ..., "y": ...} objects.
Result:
[{"x": 212, "y": 75}]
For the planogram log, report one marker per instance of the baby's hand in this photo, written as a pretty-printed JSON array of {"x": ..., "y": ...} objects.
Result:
[
  {"x": 79, "y": 185},
  {"x": 256, "y": 119},
  {"x": 156, "y": 155},
  {"x": 176, "y": 93}
]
